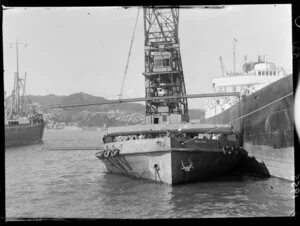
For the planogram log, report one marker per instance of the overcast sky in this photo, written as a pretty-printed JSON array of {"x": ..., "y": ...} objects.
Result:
[{"x": 84, "y": 49}]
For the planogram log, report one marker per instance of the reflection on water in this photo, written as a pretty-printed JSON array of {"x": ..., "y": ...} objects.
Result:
[{"x": 71, "y": 184}]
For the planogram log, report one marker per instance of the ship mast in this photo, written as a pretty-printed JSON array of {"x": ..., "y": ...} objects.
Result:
[
  {"x": 163, "y": 66},
  {"x": 222, "y": 67},
  {"x": 15, "y": 98}
]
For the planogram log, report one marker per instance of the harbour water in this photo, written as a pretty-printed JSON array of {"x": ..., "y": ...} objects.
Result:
[{"x": 43, "y": 183}]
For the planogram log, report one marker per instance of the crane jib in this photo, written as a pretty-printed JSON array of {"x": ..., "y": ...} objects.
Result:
[{"x": 140, "y": 99}]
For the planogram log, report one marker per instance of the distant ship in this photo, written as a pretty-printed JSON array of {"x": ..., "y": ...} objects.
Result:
[
  {"x": 21, "y": 127},
  {"x": 26, "y": 131},
  {"x": 264, "y": 113},
  {"x": 168, "y": 148}
]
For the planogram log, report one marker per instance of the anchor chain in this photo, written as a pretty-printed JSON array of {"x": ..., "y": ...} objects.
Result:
[{"x": 156, "y": 167}]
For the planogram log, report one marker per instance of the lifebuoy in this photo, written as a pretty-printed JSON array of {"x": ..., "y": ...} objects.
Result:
[
  {"x": 160, "y": 143},
  {"x": 99, "y": 154},
  {"x": 114, "y": 152},
  {"x": 106, "y": 153}
]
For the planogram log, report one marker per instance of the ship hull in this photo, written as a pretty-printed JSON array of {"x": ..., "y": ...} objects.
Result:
[
  {"x": 170, "y": 165},
  {"x": 266, "y": 121},
  {"x": 20, "y": 135}
]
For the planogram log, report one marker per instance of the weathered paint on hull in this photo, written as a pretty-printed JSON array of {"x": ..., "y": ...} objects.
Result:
[
  {"x": 141, "y": 165},
  {"x": 205, "y": 165},
  {"x": 273, "y": 158},
  {"x": 23, "y": 135},
  {"x": 268, "y": 130}
]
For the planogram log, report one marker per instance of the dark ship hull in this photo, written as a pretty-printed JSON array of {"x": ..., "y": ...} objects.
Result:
[
  {"x": 266, "y": 122},
  {"x": 18, "y": 135}
]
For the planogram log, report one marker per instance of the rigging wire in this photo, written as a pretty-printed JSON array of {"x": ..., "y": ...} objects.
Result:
[
  {"x": 250, "y": 113},
  {"x": 126, "y": 68}
]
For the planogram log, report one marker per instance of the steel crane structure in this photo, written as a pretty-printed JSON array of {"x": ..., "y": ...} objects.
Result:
[{"x": 163, "y": 66}]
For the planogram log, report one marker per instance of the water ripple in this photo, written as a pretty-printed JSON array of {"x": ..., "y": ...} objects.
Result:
[{"x": 71, "y": 184}]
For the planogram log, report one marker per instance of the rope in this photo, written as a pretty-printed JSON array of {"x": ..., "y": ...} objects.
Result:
[
  {"x": 156, "y": 172},
  {"x": 126, "y": 68},
  {"x": 229, "y": 123},
  {"x": 189, "y": 140},
  {"x": 72, "y": 148},
  {"x": 250, "y": 113}
]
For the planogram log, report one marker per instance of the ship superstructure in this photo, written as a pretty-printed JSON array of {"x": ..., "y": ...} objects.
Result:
[{"x": 254, "y": 76}]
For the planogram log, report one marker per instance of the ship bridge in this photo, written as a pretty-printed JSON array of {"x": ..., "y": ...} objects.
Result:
[{"x": 255, "y": 74}]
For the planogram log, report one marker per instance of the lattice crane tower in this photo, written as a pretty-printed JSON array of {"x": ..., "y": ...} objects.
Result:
[{"x": 163, "y": 67}]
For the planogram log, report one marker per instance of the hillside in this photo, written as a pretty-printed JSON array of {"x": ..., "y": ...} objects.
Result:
[
  {"x": 80, "y": 98},
  {"x": 91, "y": 116}
]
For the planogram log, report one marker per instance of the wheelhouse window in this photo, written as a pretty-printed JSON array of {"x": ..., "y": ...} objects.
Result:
[
  {"x": 166, "y": 62},
  {"x": 158, "y": 62}
]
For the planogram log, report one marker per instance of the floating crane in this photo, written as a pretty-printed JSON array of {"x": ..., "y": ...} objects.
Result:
[{"x": 163, "y": 66}]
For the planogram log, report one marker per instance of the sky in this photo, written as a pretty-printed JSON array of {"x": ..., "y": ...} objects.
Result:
[{"x": 85, "y": 49}]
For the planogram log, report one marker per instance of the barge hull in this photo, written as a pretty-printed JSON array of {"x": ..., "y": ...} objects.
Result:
[{"x": 172, "y": 167}]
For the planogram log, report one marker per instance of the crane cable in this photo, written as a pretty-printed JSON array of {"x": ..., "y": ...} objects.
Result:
[
  {"x": 250, "y": 113},
  {"x": 126, "y": 68}
]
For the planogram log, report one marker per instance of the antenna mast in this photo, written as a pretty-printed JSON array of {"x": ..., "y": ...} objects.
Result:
[
  {"x": 222, "y": 68},
  {"x": 234, "y": 41}
]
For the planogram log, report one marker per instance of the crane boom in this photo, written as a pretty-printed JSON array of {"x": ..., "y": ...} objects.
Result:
[{"x": 150, "y": 99}]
